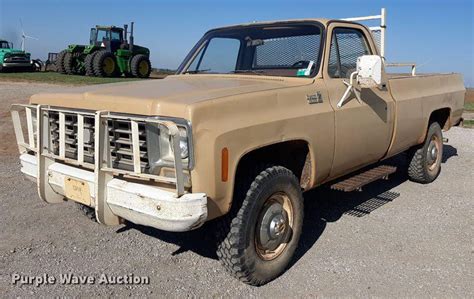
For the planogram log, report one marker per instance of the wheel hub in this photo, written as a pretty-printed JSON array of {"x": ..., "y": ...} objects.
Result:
[
  {"x": 432, "y": 152},
  {"x": 143, "y": 68},
  {"x": 273, "y": 227},
  {"x": 109, "y": 65}
]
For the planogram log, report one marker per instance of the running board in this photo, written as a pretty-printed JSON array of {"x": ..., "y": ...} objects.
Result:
[{"x": 356, "y": 182}]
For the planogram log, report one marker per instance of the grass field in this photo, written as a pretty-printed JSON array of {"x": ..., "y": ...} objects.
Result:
[
  {"x": 469, "y": 123},
  {"x": 56, "y": 78},
  {"x": 469, "y": 106}
]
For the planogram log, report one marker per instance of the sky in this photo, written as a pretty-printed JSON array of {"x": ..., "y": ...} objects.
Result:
[{"x": 437, "y": 35}]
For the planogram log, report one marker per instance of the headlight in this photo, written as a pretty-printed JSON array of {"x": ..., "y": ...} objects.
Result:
[
  {"x": 183, "y": 143},
  {"x": 160, "y": 150}
]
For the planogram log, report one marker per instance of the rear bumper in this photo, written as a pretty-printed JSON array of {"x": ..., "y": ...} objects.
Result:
[{"x": 138, "y": 203}]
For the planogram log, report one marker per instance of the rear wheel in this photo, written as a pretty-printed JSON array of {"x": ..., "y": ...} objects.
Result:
[
  {"x": 105, "y": 64},
  {"x": 89, "y": 64},
  {"x": 70, "y": 63},
  {"x": 262, "y": 237},
  {"x": 60, "y": 62},
  {"x": 140, "y": 66},
  {"x": 425, "y": 160}
]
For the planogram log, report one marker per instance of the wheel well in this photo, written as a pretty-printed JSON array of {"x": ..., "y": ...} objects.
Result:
[
  {"x": 293, "y": 155},
  {"x": 441, "y": 116}
]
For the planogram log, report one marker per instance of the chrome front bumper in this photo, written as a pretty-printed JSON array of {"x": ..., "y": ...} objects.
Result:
[
  {"x": 16, "y": 64},
  {"x": 160, "y": 201}
]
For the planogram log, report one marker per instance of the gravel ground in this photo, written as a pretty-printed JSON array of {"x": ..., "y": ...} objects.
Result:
[
  {"x": 16, "y": 93},
  {"x": 394, "y": 239}
]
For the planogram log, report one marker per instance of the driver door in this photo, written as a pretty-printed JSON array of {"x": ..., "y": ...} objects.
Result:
[{"x": 363, "y": 129}]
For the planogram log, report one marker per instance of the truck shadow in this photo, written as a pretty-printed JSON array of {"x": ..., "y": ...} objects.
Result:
[
  {"x": 448, "y": 152},
  {"x": 322, "y": 206}
]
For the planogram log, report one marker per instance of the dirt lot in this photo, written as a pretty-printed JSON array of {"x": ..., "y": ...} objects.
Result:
[{"x": 394, "y": 239}]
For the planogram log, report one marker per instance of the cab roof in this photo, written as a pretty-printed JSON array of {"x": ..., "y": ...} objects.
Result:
[
  {"x": 108, "y": 27},
  {"x": 322, "y": 21}
]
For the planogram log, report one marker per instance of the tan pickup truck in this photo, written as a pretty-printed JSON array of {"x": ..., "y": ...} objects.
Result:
[{"x": 256, "y": 115}]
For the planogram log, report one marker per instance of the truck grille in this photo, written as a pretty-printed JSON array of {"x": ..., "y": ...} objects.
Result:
[
  {"x": 17, "y": 58},
  {"x": 71, "y": 135},
  {"x": 120, "y": 140},
  {"x": 71, "y": 142},
  {"x": 119, "y": 137}
]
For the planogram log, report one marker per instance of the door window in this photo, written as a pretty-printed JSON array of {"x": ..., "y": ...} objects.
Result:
[
  {"x": 116, "y": 35},
  {"x": 347, "y": 45}
]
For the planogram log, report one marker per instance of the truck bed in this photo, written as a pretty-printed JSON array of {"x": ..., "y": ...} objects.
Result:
[{"x": 416, "y": 97}]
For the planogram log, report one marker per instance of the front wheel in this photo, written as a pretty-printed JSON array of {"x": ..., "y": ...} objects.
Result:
[
  {"x": 140, "y": 66},
  {"x": 37, "y": 65},
  {"x": 263, "y": 236},
  {"x": 89, "y": 212},
  {"x": 425, "y": 160},
  {"x": 105, "y": 65}
]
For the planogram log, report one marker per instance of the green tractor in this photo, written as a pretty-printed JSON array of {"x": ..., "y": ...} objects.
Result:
[{"x": 109, "y": 54}]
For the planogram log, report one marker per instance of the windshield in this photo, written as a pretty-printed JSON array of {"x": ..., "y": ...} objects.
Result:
[
  {"x": 290, "y": 50},
  {"x": 102, "y": 35},
  {"x": 4, "y": 45}
]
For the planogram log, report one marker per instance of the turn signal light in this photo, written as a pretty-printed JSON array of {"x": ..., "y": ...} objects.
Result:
[{"x": 225, "y": 164}]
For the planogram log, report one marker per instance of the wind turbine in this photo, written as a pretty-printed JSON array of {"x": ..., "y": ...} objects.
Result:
[{"x": 24, "y": 37}]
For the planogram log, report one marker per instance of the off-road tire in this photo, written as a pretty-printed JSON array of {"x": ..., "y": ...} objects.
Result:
[
  {"x": 68, "y": 64},
  {"x": 135, "y": 66},
  {"x": 60, "y": 62},
  {"x": 418, "y": 168},
  {"x": 89, "y": 212},
  {"x": 238, "y": 250},
  {"x": 37, "y": 65},
  {"x": 98, "y": 64},
  {"x": 89, "y": 64}
]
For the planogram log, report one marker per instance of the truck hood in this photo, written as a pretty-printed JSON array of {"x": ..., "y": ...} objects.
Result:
[
  {"x": 12, "y": 51},
  {"x": 172, "y": 96}
]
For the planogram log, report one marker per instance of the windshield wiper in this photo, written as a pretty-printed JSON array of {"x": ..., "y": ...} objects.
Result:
[
  {"x": 196, "y": 71},
  {"x": 260, "y": 73}
]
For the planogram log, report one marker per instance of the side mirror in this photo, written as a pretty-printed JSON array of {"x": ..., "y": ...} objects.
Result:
[
  {"x": 369, "y": 71},
  {"x": 368, "y": 75}
]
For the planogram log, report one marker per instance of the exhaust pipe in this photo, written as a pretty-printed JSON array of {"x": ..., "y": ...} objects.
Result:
[
  {"x": 131, "y": 36},
  {"x": 125, "y": 28}
]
